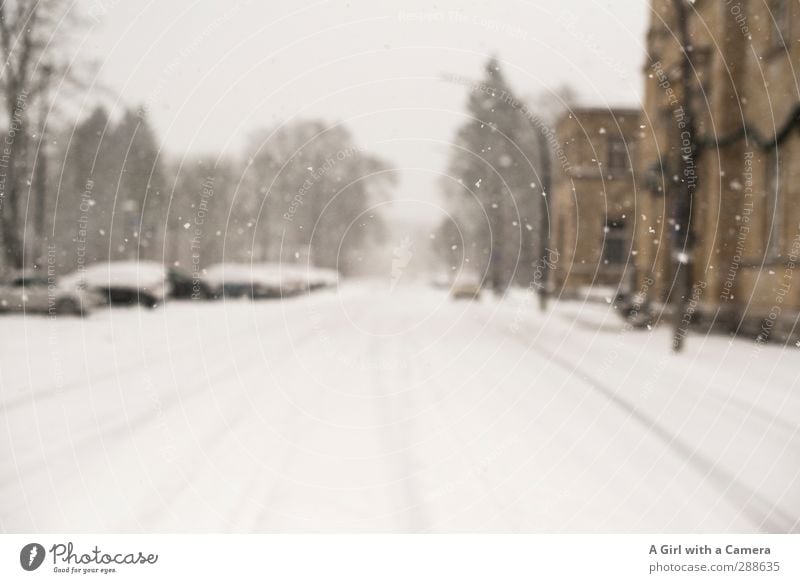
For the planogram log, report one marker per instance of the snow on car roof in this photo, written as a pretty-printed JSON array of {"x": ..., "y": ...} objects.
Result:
[
  {"x": 268, "y": 273},
  {"x": 127, "y": 273}
]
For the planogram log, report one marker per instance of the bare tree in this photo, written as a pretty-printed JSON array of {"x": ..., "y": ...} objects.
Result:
[
  {"x": 314, "y": 183},
  {"x": 30, "y": 31}
]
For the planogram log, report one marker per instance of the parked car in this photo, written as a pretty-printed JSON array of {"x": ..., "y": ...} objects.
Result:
[
  {"x": 36, "y": 293},
  {"x": 125, "y": 282},
  {"x": 184, "y": 286},
  {"x": 266, "y": 280},
  {"x": 301, "y": 278},
  {"x": 635, "y": 308},
  {"x": 466, "y": 287},
  {"x": 245, "y": 280}
]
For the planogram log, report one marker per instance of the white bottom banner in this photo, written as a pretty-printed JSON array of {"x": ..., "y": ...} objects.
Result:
[{"x": 400, "y": 558}]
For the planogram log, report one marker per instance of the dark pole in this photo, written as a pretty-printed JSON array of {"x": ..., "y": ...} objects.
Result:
[
  {"x": 683, "y": 240},
  {"x": 544, "y": 223}
]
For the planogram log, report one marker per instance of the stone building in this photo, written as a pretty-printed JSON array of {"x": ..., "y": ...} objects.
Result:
[
  {"x": 593, "y": 200},
  {"x": 738, "y": 163}
]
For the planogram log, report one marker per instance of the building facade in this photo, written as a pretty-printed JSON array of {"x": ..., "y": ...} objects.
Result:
[
  {"x": 720, "y": 136},
  {"x": 593, "y": 200}
]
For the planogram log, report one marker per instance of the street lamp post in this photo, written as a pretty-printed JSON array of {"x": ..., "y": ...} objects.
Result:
[{"x": 544, "y": 224}]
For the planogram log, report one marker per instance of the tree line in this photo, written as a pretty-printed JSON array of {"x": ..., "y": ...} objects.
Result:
[{"x": 102, "y": 188}]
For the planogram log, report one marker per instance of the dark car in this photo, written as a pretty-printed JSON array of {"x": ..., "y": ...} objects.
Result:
[
  {"x": 35, "y": 293},
  {"x": 185, "y": 287}
]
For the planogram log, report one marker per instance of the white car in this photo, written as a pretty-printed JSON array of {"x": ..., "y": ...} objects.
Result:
[
  {"x": 36, "y": 293},
  {"x": 125, "y": 282}
]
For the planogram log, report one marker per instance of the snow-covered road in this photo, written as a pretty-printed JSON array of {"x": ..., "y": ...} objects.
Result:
[{"x": 365, "y": 410}]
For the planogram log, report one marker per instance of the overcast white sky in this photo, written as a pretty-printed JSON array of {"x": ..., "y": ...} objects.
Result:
[{"x": 211, "y": 71}]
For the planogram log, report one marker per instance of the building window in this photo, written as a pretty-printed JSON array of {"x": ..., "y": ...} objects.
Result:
[
  {"x": 774, "y": 205},
  {"x": 615, "y": 242},
  {"x": 617, "y": 154},
  {"x": 654, "y": 178},
  {"x": 779, "y": 13}
]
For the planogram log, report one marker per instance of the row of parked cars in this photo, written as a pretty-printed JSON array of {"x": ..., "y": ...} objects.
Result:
[{"x": 149, "y": 283}]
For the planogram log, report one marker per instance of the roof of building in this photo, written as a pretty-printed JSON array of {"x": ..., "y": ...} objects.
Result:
[{"x": 594, "y": 111}]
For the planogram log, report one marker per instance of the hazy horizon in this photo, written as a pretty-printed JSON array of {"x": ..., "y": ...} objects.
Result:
[{"x": 213, "y": 73}]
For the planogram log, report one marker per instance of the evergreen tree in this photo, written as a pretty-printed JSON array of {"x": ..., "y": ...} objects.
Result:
[
  {"x": 139, "y": 219},
  {"x": 81, "y": 207},
  {"x": 198, "y": 213},
  {"x": 496, "y": 163}
]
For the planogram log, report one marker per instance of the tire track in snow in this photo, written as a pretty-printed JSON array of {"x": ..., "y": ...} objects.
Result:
[
  {"x": 760, "y": 511},
  {"x": 268, "y": 502},
  {"x": 101, "y": 377},
  {"x": 474, "y": 471},
  {"x": 411, "y": 503},
  {"x": 115, "y": 430},
  {"x": 213, "y": 440}
]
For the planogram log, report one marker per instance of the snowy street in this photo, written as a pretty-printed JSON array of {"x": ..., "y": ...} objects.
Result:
[{"x": 365, "y": 410}]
